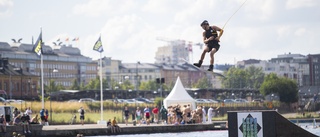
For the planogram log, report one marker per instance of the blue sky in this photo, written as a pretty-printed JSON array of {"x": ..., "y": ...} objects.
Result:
[{"x": 261, "y": 29}]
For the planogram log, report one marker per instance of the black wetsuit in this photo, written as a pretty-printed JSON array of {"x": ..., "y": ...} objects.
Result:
[{"x": 212, "y": 43}]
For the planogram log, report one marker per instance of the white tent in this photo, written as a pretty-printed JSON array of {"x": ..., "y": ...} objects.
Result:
[{"x": 179, "y": 95}]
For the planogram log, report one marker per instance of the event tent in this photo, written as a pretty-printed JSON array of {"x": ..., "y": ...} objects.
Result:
[{"x": 179, "y": 95}]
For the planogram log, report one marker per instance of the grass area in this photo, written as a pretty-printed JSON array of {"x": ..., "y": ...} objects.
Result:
[
  {"x": 63, "y": 111},
  {"x": 90, "y": 117},
  {"x": 301, "y": 116}
]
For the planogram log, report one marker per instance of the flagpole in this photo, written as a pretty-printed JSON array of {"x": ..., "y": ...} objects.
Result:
[
  {"x": 42, "y": 90},
  {"x": 41, "y": 66},
  {"x": 101, "y": 101},
  {"x": 98, "y": 47}
]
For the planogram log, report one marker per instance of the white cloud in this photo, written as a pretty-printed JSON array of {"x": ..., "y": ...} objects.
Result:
[
  {"x": 261, "y": 9},
  {"x": 295, "y": 4},
  {"x": 96, "y": 8},
  {"x": 260, "y": 29},
  {"x": 300, "y": 32},
  {"x": 5, "y": 8},
  {"x": 160, "y": 7}
]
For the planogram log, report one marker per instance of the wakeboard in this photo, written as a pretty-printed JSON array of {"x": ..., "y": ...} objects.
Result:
[{"x": 203, "y": 69}]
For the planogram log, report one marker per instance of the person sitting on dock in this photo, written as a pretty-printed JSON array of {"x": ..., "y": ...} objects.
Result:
[
  {"x": 35, "y": 120},
  {"x": 110, "y": 126},
  {"x": 115, "y": 126},
  {"x": 2, "y": 123},
  {"x": 25, "y": 119}
]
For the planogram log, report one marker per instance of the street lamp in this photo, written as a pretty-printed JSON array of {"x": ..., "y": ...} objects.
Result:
[
  {"x": 55, "y": 70},
  {"x": 137, "y": 75},
  {"x": 28, "y": 90},
  {"x": 33, "y": 87}
]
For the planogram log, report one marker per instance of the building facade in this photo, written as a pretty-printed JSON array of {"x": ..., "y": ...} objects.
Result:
[
  {"x": 172, "y": 53},
  {"x": 16, "y": 83},
  {"x": 67, "y": 61},
  {"x": 303, "y": 69}
]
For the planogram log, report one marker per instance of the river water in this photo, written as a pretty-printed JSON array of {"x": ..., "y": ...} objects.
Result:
[{"x": 216, "y": 133}]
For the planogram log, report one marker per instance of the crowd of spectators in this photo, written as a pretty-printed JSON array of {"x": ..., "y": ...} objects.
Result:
[
  {"x": 173, "y": 115},
  {"x": 185, "y": 115}
]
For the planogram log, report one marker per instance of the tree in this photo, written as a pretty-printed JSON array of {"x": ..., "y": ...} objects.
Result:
[
  {"x": 235, "y": 78},
  {"x": 251, "y": 77},
  {"x": 75, "y": 85},
  {"x": 126, "y": 85},
  {"x": 91, "y": 84},
  {"x": 51, "y": 87},
  {"x": 150, "y": 85},
  {"x": 255, "y": 77},
  {"x": 287, "y": 89},
  {"x": 202, "y": 83}
]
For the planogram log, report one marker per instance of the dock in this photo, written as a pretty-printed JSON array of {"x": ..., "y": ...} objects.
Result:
[{"x": 95, "y": 129}]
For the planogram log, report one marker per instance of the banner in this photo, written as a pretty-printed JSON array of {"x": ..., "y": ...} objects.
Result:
[
  {"x": 37, "y": 47},
  {"x": 98, "y": 45}
]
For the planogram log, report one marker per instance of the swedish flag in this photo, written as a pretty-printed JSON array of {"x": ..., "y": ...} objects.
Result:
[
  {"x": 37, "y": 47},
  {"x": 98, "y": 45}
]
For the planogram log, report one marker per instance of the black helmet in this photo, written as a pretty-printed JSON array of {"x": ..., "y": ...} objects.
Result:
[{"x": 205, "y": 22}]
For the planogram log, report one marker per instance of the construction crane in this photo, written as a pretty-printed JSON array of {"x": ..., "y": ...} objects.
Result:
[
  {"x": 188, "y": 44},
  {"x": 176, "y": 41}
]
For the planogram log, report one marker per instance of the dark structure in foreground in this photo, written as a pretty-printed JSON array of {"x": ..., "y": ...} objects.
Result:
[{"x": 263, "y": 124}]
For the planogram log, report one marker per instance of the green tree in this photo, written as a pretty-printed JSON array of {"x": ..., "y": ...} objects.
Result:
[
  {"x": 60, "y": 87},
  {"x": 202, "y": 83},
  {"x": 235, "y": 78},
  {"x": 51, "y": 87},
  {"x": 75, "y": 85},
  {"x": 126, "y": 85},
  {"x": 91, "y": 84},
  {"x": 287, "y": 89},
  {"x": 82, "y": 86},
  {"x": 255, "y": 77},
  {"x": 251, "y": 77},
  {"x": 149, "y": 85}
]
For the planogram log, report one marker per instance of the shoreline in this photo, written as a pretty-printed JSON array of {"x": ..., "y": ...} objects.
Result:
[{"x": 95, "y": 129}]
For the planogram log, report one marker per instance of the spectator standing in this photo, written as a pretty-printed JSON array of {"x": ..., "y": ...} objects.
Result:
[
  {"x": 138, "y": 114},
  {"x": 29, "y": 112},
  {"x": 42, "y": 116},
  {"x": 46, "y": 112},
  {"x": 146, "y": 114},
  {"x": 133, "y": 116},
  {"x": 210, "y": 114},
  {"x": 204, "y": 115},
  {"x": 164, "y": 114},
  {"x": 81, "y": 115},
  {"x": 2, "y": 123},
  {"x": 126, "y": 115},
  {"x": 155, "y": 112},
  {"x": 199, "y": 114}
]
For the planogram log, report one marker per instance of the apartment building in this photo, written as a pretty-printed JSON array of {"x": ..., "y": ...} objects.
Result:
[
  {"x": 172, "y": 53},
  {"x": 304, "y": 69},
  {"x": 62, "y": 63}
]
